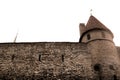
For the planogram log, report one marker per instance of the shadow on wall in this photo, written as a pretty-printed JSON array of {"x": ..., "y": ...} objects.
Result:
[
  {"x": 33, "y": 77},
  {"x": 50, "y": 76}
]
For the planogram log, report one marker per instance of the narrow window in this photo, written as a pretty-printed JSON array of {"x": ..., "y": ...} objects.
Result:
[
  {"x": 62, "y": 58},
  {"x": 77, "y": 78},
  {"x": 97, "y": 67},
  {"x": 88, "y": 37},
  {"x": 13, "y": 56},
  {"x": 39, "y": 57},
  {"x": 103, "y": 34},
  {"x": 100, "y": 78},
  {"x": 114, "y": 77},
  {"x": 41, "y": 78}
]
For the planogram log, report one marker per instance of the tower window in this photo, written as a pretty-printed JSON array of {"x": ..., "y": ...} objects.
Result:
[
  {"x": 103, "y": 34},
  {"x": 97, "y": 67},
  {"x": 62, "y": 58},
  {"x": 88, "y": 36}
]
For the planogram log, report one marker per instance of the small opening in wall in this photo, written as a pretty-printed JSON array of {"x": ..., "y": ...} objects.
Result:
[
  {"x": 100, "y": 78},
  {"x": 41, "y": 78},
  {"x": 40, "y": 57},
  {"x": 97, "y": 67},
  {"x": 114, "y": 77},
  {"x": 88, "y": 36},
  {"x": 62, "y": 58},
  {"x": 13, "y": 56},
  {"x": 103, "y": 34}
]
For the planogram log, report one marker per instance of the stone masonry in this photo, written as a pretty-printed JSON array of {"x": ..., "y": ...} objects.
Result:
[{"x": 94, "y": 57}]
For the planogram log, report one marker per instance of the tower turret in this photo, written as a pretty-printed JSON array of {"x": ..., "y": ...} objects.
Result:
[
  {"x": 99, "y": 39},
  {"x": 94, "y": 26}
]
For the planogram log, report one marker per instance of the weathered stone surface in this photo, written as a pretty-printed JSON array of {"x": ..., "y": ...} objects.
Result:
[
  {"x": 22, "y": 61},
  {"x": 95, "y": 58},
  {"x": 45, "y": 59}
]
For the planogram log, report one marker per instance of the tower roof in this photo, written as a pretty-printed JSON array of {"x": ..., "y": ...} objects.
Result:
[{"x": 94, "y": 23}]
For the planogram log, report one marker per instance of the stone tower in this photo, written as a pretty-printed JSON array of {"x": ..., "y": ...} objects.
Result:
[{"x": 99, "y": 40}]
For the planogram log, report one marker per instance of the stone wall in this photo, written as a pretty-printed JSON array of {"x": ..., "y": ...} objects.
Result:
[
  {"x": 45, "y": 60},
  {"x": 105, "y": 59}
]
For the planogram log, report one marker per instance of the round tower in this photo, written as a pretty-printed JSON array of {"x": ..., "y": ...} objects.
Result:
[{"x": 99, "y": 40}]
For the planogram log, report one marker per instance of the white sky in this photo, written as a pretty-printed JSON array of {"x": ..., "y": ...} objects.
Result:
[{"x": 54, "y": 20}]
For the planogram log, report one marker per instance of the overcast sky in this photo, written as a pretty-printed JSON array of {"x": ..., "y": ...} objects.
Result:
[{"x": 54, "y": 20}]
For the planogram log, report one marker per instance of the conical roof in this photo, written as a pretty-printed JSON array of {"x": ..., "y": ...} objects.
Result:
[{"x": 94, "y": 23}]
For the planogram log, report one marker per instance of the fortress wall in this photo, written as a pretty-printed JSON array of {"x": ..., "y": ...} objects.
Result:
[{"x": 44, "y": 59}]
